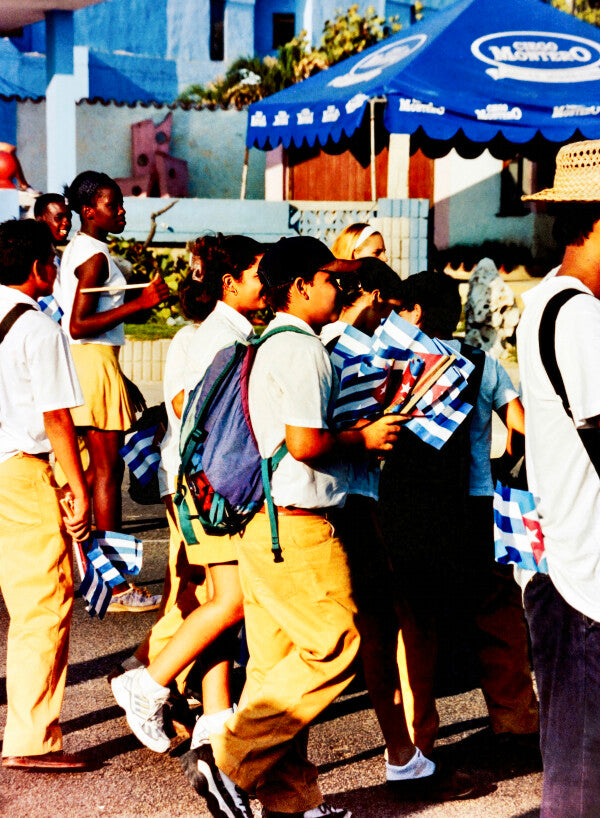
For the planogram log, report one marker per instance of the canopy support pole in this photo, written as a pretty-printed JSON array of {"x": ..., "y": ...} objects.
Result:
[
  {"x": 372, "y": 144},
  {"x": 245, "y": 173}
]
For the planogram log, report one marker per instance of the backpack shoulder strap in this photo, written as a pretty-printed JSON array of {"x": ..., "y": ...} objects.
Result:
[
  {"x": 590, "y": 438},
  {"x": 269, "y": 464},
  {"x": 546, "y": 339},
  {"x": 287, "y": 328},
  {"x": 477, "y": 358},
  {"x": 11, "y": 316}
]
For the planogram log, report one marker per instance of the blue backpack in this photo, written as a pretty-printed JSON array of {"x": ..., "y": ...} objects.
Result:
[{"x": 223, "y": 481}]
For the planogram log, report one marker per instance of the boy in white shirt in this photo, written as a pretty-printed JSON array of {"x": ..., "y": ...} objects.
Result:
[{"x": 38, "y": 386}]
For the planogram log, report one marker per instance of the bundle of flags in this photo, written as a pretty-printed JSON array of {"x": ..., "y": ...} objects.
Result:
[
  {"x": 398, "y": 350},
  {"x": 518, "y": 534},
  {"x": 51, "y": 307},
  {"x": 142, "y": 454},
  {"x": 107, "y": 555}
]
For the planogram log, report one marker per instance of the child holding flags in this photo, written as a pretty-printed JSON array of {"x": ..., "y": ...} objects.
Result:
[
  {"x": 436, "y": 514},
  {"x": 94, "y": 324},
  {"x": 38, "y": 386}
]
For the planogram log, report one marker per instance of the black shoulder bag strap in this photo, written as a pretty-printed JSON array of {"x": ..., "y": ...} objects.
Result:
[
  {"x": 11, "y": 316},
  {"x": 547, "y": 333}
]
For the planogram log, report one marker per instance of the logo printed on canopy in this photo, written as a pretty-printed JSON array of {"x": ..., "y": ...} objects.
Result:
[
  {"x": 373, "y": 64},
  {"x": 305, "y": 117},
  {"x": 498, "y": 110},
  {"x": 560, "y": 111},
  {"x": 258, "y": 120},
  {"x": 538, "y": 56},
  {"x": 415, "y": 106},
  {"x": 331, "y": 114},
  {"x": 282, "y": 119},
  {"x": 357, "y": 101}
]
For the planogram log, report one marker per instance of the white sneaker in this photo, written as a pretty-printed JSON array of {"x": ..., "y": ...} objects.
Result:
[
  {"x": 418, "y": 767},
  {"x": 143, "y": 699},
  {"x": 134, "y": 600}
]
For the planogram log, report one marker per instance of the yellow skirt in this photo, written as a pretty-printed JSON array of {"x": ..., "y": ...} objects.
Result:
[{"x": 107, "y": 403}]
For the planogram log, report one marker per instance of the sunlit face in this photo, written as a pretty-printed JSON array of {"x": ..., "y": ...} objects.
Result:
[
  {"x": 108, "y": 212},
  {"x": 373, "y": 247},
  {"x": 250, "y": 295},
  {"x": 58, "y": 218},
  {"x": 324, "y": 296}
]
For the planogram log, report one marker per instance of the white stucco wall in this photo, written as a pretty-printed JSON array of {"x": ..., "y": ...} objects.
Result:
[
  {"x": 212, "y": 143},
  {"x": 466, "y": 201}
]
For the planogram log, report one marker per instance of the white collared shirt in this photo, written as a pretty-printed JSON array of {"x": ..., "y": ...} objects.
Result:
[
  {"x": 223, "y": 327},
  {"x": 37, "y": 375},
  {"x": 291, "y": 384}
]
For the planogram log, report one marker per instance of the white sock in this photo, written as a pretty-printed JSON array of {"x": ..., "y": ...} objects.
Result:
[
  {"x": 215, "y": 721},
  {"x": 148, "y": 685},
  {"x": 418, "y": 767}
]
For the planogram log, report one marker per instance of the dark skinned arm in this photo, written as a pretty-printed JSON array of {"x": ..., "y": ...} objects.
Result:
[{"x": 85, "y": 321}]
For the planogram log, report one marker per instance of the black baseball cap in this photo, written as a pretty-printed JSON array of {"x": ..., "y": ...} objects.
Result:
[{"x": 299, "y": 257}]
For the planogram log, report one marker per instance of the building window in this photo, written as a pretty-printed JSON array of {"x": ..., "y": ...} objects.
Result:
[
  {"x": 284, "y": 29},
  {"x": 217, "y": 30},
  {"x": 515, "y": 180}
]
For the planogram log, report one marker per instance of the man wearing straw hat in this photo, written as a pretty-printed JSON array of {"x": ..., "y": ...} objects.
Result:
[{"x": 559, "y": 355}]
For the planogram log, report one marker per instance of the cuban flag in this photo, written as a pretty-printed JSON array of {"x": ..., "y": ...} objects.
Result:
[
  {"x": 51, "y": 307},
  {"x": 142, "y": 454},
  {"x": 362, "y": 391},
  {"x": 108, "y": 555},
  {"x": 518, "y": 534},
  {"x": 400, "y": 347},
  {"x": 351, "y": 345}
]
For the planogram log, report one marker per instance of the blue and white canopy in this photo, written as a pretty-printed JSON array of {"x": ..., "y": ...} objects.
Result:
[{"x": 486, "y": 67}]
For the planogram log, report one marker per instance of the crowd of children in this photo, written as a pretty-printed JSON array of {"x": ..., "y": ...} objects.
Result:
[{"x": 370, "y": 520}]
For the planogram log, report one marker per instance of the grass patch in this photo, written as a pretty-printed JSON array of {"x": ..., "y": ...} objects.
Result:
[{"x": 149, "y": 332}]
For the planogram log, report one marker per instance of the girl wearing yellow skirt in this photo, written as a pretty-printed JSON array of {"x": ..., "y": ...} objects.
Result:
[{"x": 94, "y": 323}]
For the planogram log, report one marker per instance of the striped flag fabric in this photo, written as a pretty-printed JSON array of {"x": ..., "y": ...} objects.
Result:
[
  {"x": 351, "y": 345},
  {"x": 109, "y": 555},
  {"x": 49, "y": 305},
  {"x": 362, "y": 391},
  {"x": 365, "y": 365},
  {"x": 518, "y": 536},
  {"x": 141, "y": 454}
]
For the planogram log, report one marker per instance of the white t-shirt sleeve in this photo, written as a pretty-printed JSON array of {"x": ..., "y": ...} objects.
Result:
[
  {"x": 54, "y": 381},
  {"x": 304, "y": 377},
  {"x": 577, "y": 355}
]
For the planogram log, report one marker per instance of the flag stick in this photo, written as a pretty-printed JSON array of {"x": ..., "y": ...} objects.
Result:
[
  {"x": 116, "y": 289},
  {"x": 434, "y": 374}
]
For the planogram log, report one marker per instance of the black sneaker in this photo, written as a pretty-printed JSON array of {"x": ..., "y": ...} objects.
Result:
[{"x": 223, "y": 798}]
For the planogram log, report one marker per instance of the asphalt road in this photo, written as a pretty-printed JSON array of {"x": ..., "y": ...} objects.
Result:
[{"x": 131, "y": 781}]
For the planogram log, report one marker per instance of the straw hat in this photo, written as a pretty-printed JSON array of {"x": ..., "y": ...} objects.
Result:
[{"x": 577, "y": 177}]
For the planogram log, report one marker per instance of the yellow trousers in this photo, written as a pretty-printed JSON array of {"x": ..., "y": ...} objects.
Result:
[
  {"x": 182, "y": 594},
  {"x": 300, "y": 626},
  {"x": 36, "y": 579}
]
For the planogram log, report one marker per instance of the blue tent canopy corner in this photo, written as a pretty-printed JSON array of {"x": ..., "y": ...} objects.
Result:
[{"x": 482, "y": 69}]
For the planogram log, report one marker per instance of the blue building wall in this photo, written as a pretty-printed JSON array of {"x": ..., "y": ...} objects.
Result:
[{"x": 143, "y": 50}]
